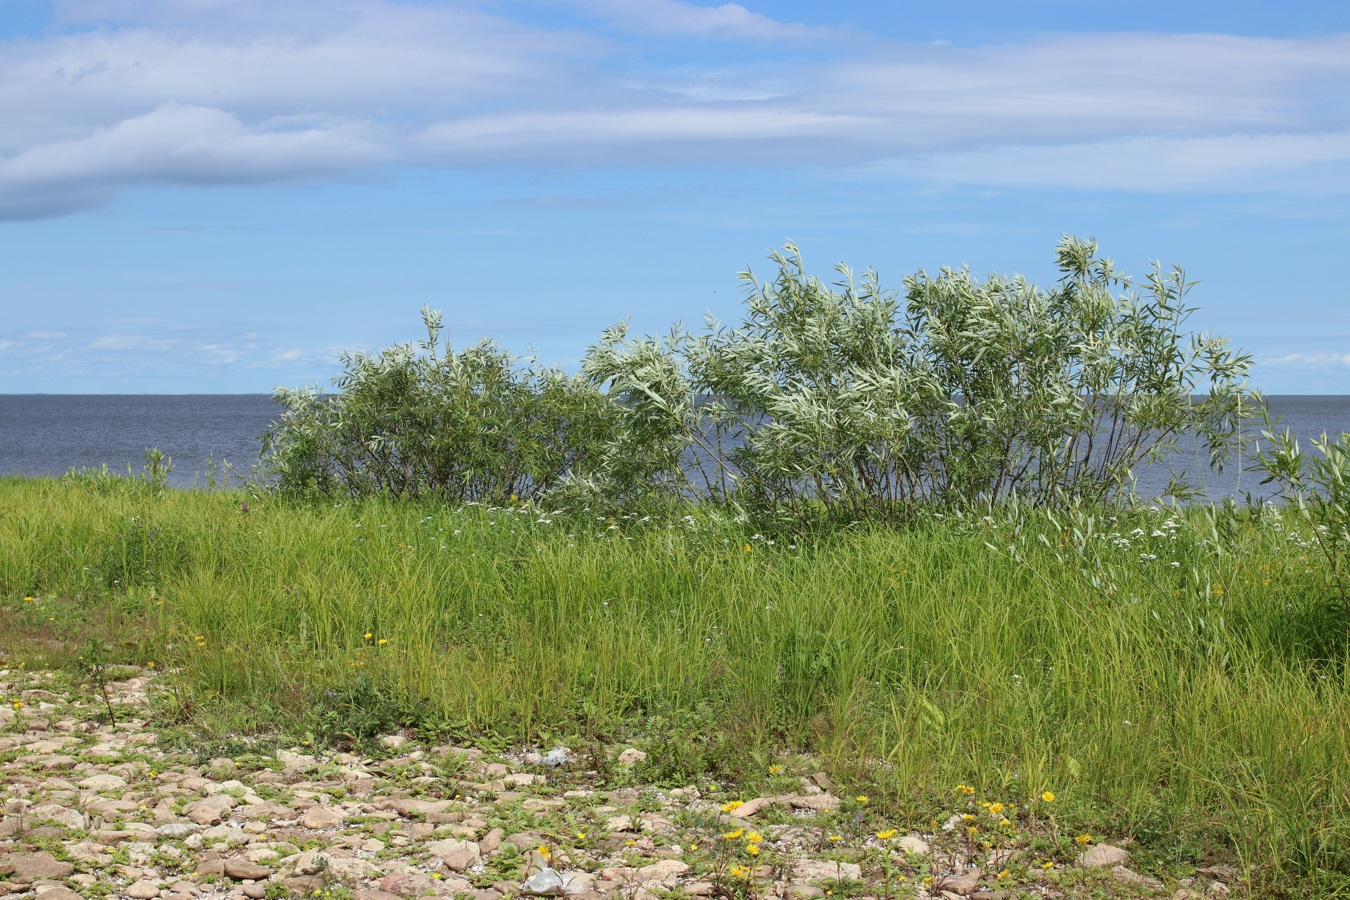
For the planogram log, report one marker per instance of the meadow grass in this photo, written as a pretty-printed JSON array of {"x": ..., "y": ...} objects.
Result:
[{"x": 1175, "y": 677}]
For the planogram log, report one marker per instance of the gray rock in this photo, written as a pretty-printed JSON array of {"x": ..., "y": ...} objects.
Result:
[
  {"x": 455, "y": 854},
  {"x": 631, "y": 756},
  {"x": 1103, "y": 855},
  {"x": 142, "y": 890},
  {"x": 1129, "y": 876},
  {"x": 964, "y": 885}
]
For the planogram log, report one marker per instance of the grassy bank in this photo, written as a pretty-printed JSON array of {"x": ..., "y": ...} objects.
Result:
[{"x": 1176, "y": 679}]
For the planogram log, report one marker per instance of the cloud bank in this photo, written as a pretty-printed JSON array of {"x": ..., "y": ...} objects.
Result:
[{"x": 205, "y": 92}]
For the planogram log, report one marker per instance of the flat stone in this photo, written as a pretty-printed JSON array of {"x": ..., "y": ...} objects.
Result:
[
  {"x": 963, "y": 885},
  {"x": 821, "y": 869},
  {"x": 631, "y": 756},
  {"x": 240, "y": 869},
  {"x": 1103, "y": 855},
  {"x": 912, "y": 843},
  {"x": 41, "y": 866},
  {"x": 804, "y": 892},
  {"x": 665, "y": 870},
  {"x": 59, "y": 893},
  {"x": 104, "y": 782},
  {"x": 1129, "y": 876},
  {"x": 142, "y": 890},
  {"x": 369, "y": 894},
  {"x": 321, "y": 817}
]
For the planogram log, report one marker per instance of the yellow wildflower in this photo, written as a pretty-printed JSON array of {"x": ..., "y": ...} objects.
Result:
[
  {"x": 1084, "y": 839},
  {"x": 732, "y": 805},
  {"x": 887, "y": 834},
  {"x": 754, "y": 837},
  {"x": 1048, "y": 864},
  {"x": 774, "y": 770},
  {"x": 1048, "y": 797},
  {"x": 862, "y": 799},
  {"x": 733, "y": 835},
  {"x": 752, "y": 849}
]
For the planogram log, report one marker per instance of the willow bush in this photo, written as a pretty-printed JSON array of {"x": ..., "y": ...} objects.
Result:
[
  {"x": 855, "y": 401},
  {"x": 425, "y": 421}
]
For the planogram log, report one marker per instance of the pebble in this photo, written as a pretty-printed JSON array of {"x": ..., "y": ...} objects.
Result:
[{"x": 235, "y": 828}]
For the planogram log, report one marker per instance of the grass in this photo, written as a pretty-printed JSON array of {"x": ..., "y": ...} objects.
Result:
[{"x": 1179, "y": 679}]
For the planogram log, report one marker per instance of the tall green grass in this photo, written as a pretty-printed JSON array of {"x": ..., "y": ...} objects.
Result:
[{"x": 1176, "y": 677}]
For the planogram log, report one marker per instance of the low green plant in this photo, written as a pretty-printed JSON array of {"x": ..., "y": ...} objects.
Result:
[{"x": 1318, "y": 487}]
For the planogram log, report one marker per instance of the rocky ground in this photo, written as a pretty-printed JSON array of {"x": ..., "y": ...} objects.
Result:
[{"x": 99, "y": 810}]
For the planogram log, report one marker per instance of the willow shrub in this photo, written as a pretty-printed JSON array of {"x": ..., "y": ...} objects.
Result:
[
  {"x": 424, "y": 421},
  {"x": 858, "y": 402}
]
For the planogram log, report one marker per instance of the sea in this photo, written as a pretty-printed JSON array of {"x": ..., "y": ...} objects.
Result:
[{"x": 212, "y": 437}]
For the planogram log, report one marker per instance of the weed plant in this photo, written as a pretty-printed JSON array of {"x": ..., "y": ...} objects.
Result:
[{"x": 1175, "y": 676}]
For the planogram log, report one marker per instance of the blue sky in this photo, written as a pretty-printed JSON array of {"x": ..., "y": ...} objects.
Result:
[{"x": 220, "y": 196}]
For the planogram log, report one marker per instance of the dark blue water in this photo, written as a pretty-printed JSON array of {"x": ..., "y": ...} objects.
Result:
[{"x": 49, "y": 434}]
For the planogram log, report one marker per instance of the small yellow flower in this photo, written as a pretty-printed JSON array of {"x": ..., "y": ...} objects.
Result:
[
  {"x": 693, "y": 847},
  {"x": 754, "y": 837},
  {"x": 368, "y": 635},
  {"x": 967, "y": 818},
  {"x": 974, "y": 829},
  {"x": 630, "y": 843},
  {"x": 995, "y": 808},
  {"x": 1003, "y": 874},
  {"x": 542, "y": 851},
  {"x": 965, "y": 789},
  {"x": 739, "y": 871},
  {"x": 774, "y": 770},
  {"x": 1048, "y": 797},
  {"x": 732, "y": 805},
  {"x": 1048, "y": 864},
  {"x": 733, "y": 835},
  {"x": 748, "y": 548},
  {"x": 581, "y": 835},
  {"x": 1084, "y": 839},
  {"x": 752, "y": 849},
  {"x": 887, "y": 834},
  {"x": 1004, "y": 822},
  {"x": 862, "y": 799},
  {"x": 836, "y": 838}
]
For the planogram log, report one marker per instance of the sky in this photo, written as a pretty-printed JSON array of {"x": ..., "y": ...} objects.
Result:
[{"x": 222, "y": 196}]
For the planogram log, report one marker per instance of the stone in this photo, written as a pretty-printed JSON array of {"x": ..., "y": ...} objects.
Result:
[
  {"x": 667, "y": 870},
  {"x": 297, "y": 762},
  {"x": 241, "y": 869},
  {"x": 1103, "y": 855},
  {"x": 142, "y": 890},
  {"x": 1129, "y": 876},
  {"x": 321, "y": 817},
  {"x": 751, "y": 807},
  {"x": 369, "y": 894},
  {"x": 255, "y": 891},
  {"x": 40, "y": 866},
  {"x": 804, "y": 892},
  {"x": 455, "y": 854},
  {"x": 392, "y": 741},
  {"x": 912, "y": 843},
  {"x": 209, "y": 867},
  {"x": 821, "y": 869},
  {"x": 491, "y": 841},
  {"x": 631, "y": 756},
  {"x": 104, "y": 782},
  {"x": 619, "y": 823},
  {"x": 61, "y": 815},
  {"x": 59, "y": 893},
  {"x": 964, "y": 885},
  {"x": 205, "y": 815},
  {"x": 817, "y": 802}
]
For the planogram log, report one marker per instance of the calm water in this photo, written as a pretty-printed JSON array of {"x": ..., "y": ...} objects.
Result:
[{"x": 49, "y": 434}]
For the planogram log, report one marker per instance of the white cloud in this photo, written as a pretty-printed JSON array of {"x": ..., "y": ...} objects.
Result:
[
  {"x": 127, "y": 93},
  {"x": 1249, "y": 161},
  {"x": 669, "y": 17},
  {"x": 1307, "y": 361},
  {"x": 131, "y": 342}
]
